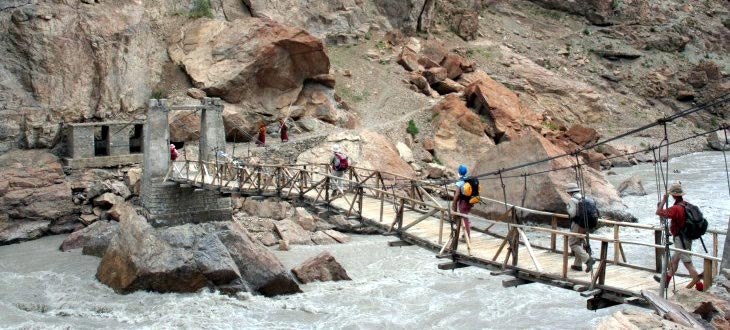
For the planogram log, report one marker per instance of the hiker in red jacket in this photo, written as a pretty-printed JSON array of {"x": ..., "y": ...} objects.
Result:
[
  {"x": 676, "y": 214},
  {"x": 282, "y": 129},
  {"x": 173, "y": 152}
]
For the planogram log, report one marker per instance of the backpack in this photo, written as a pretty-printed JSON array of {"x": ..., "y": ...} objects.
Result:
[
  {"x": 341, "y": 162},
  {"x": 470, "y": 190},
  {"x": 587, "y": 207},
  {"x": 695, "y": 225}
]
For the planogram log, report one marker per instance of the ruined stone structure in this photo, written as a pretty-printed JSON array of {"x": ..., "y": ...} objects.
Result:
[
  {"x": 167, "y": 203},
  {"x": 104, "y": 144}
]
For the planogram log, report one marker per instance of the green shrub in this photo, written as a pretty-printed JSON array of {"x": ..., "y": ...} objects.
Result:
[
  {"x": 158, "y": 93},
  {"x": 412, "y": 129},
  {"x": 201, "y": 8}
]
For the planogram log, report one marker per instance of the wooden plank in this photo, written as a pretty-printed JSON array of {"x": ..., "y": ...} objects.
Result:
[
  {"x": 529, "y": 249},
  {"x": 451, "y": 265},
  {"x": 671, "y": 311}
]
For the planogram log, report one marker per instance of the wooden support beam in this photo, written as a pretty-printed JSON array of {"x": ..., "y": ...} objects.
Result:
[
  {"x": 452, "y": 265},
  {"x": 513, "y": 282},
  {"x": 597, "y": 303},
  {"x": 510, "y": 272},
  {"x": 591, "y": 293},
  {"x": 399, "y": 243},
  {"x": 421, "y": 218}
]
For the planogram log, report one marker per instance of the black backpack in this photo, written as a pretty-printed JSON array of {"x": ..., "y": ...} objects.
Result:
[
  {"x": 695, "y": 224},
  {"x": 587, "y": 208}
]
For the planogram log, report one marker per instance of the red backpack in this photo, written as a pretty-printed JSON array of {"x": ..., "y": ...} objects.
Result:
[{"x": 341, "y": 162}]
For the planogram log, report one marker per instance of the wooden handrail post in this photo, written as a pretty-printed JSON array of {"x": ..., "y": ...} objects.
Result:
[
  {"x": 714, "y": 254},
  {"x": 399, "y": 215},
  {"x": 441, "y": 227},
  {"x": 708, "y": 274},
  {"x": 616, "y": 247},
  {"x": 565, "y": 256},
  {"x": 360, "y": 191},
  {"x": 602, "y": 266},
  {"x": 553, "y": 237},
  {"x": 658, "y": 253},
  {"x": 327, "y": 189}
]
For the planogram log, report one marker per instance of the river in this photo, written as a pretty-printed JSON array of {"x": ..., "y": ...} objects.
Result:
[{"x": 392, "y": 287}]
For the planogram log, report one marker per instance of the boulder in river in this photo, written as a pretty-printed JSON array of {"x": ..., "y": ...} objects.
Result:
[
  {"x": 94, "y": 239},
  {"x": 322, "y": 267},
  {"x": 189, "y": 257},
  {"x": 632, "y": 187}
]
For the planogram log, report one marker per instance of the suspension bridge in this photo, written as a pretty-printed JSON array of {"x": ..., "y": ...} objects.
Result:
[{"x": 417, "y": 212}]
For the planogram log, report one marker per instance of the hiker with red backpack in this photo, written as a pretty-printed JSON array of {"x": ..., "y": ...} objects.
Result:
[
  {"x": 583, "y": 217},
  {"x": 687, "y": 224},
  {"x": 339, "y": 163},
  {"x": 466, "y": 195}
]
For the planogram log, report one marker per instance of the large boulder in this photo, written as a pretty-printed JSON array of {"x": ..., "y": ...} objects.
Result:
[
  {"x": 255, "y": 60},
  {"x": 458, "y": 132},
  {"x": 545, "y": 191},
  {"x": 603, "y": 12},
  {"x": 505, "y": 114},
  {"x": 292, "y": 232},
  {"x": 717, "y": 141},
  {"x": 322, "y": 267},
  {"x": 364, "y": 149},
  {"x": 184, "y": 126},
  {"x": 33, "y": 189},
  {"x": 632, "y": 187},
  {"x": 267, "y": 208},
  {"x": 69, "y": 61},
  {"x": 94, "y": 239},
  {"x": 189, "y": 257}
]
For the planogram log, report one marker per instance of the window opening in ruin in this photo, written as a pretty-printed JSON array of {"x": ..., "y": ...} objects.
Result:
[
  {"x": 101, "y": 140},
  {"x": 135, "y": 139}
]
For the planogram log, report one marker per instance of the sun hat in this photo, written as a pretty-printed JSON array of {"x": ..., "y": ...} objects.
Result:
[
  {"x": 676, "y": 190},
  {"x": 572, "y": 187},
  {"x": 335, "y": 148}
]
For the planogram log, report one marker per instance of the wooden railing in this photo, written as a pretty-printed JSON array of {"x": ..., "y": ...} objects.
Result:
[{"x": 405, "y": 193}]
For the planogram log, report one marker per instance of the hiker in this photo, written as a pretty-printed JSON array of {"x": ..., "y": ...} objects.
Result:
[
  {"x": 261, "y": 139},
  {"x": 173, "y": 152},
  {"x": 466, "y": 195},
  {"x": 339, "y": 164},
  {"x": 677, "y": 214},
  {"x": 578, "y": 224},
  {"x": 282, "y": 130}
]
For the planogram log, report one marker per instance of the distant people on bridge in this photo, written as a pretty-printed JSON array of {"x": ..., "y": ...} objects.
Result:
[
  {"x": 678, "y": 222},
  {"x": 583, "y": 217},
  {"x": 339, "y": 163},
  {"x": 466, "y": 195},
  {"x": 282, "y": 130},
  {"x": 261, "y": 139},
  {"x": 173, "y": 152}
]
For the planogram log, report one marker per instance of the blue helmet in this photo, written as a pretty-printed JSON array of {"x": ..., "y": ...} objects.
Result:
[{"x": 462, "y": 170}]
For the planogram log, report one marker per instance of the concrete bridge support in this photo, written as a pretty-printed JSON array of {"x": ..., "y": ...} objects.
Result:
[{"x": 166, "y": 203}]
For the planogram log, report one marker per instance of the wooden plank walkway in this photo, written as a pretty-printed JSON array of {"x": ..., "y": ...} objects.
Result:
[{"x": 422, "y": 222}]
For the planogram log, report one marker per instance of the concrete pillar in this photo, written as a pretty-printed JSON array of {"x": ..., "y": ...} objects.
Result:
[
  {"x": 119, "y": 139},
  {"x": 212, "y": 133},
  {"x": 81, "y": 141},
  {"x": 156, "y": 142}
]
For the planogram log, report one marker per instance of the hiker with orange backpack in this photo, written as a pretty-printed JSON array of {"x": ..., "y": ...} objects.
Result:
[
  {"x": 683, "y": 233},
  {"x": 466, "y": 195}
]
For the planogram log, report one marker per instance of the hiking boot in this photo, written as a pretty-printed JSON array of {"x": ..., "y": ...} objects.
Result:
[
  {"x": 589, "y": 264},
  {"x": 576, "y": 267}
]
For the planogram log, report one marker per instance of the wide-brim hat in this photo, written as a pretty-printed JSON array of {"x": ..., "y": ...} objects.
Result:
[
  {"x": 336, "y": 148},
  {"x": 676, "y": 190},
  {"x": 572, "y": 187}
]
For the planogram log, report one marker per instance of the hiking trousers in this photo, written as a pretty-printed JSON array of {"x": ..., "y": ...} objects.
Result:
[{"x": 576, "y": 244}]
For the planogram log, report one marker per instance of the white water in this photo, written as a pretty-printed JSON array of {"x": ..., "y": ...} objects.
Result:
[{"x": 392, "y": 288}]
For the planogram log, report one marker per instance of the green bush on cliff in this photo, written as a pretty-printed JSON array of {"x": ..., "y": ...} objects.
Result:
[
  {"x": 412, "y": 129},
  {"x": 201, "y": 8}
]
